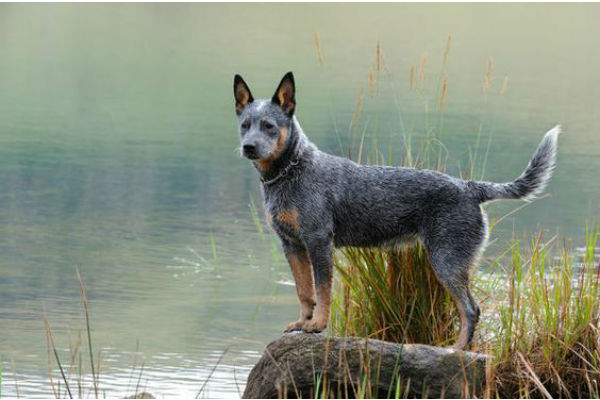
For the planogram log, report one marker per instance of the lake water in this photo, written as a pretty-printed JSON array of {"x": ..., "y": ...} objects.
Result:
[{"x": 118, "y": 157}]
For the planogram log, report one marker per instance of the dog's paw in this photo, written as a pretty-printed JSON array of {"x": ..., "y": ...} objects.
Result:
[
  {"x": 314, "y": 326},
  {"x": 295, "y": 326}
]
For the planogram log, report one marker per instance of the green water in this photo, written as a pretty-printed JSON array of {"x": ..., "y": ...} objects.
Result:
[{"x": 118, "y": 157}]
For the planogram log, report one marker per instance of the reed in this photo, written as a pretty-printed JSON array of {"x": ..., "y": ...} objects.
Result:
[
  {"x": 318, "y": 47},
  {"x": 379, "y": 297},
  {"x": 86, "y": 309},
  {"x": 546, "y": 338},
  {"x": 446, "y": 50},
  {"x": 504, "y": 86},
  {"x": 487, "y": 77},
  {"x": 422, "y": 70},
  {"x": 540, "y": 320},
  {"x": 378, "y": 57},
  {"x": 540, "y": 302},
  {"x": 371, "y": 83},
  {"x": 360, "y": 98},
  {"x": 444, "y": 92}
]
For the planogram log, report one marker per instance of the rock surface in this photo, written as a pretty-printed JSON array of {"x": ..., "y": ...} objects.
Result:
[{"x": 293, "y": 365}]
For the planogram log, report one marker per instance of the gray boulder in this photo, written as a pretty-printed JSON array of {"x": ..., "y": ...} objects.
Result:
[{"x": 298, "y": 364}]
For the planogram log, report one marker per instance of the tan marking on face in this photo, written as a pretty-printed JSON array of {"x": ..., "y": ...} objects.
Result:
[
  {"x": 280, "y": 145},
  {"x": 265, "y": 163},
  {"x": 289, "y": 217},
  {"x": 303, "y": 275}
]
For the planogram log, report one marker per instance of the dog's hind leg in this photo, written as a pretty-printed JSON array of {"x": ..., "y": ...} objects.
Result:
[
  {"x": 451, "y": 265},
  {"x": 303, "y": 276}
]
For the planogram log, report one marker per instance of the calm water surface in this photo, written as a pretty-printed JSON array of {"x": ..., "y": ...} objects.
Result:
[{"x": 118, "y": 157}]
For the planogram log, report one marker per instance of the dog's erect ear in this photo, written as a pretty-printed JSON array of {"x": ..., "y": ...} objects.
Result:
[
  {"x": 285, "y": 95},
  {"x": 241, "y": 93}
]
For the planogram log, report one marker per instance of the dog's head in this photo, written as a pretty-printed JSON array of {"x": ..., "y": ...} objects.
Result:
[{"x": 264, "y": 124}]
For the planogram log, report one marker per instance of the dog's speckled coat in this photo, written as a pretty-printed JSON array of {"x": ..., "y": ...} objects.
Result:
[{"x": 316, "y": 201}]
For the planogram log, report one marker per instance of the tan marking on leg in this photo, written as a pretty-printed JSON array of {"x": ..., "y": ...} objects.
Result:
[
  {"x": 289, "y": 217},
  {"x": 303, "y": 275},
  {"x": 321, "y": 315}
]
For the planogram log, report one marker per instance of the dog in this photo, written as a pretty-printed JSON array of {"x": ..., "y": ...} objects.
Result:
[{"x": 316, "y": 202}]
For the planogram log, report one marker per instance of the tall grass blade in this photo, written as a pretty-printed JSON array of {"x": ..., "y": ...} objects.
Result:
[{"x": 88, "y": 330}]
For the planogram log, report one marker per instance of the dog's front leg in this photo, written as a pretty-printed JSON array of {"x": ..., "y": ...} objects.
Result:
[
  {"x": 320, "y": 249},
  {"x": 303, "y": 276}
]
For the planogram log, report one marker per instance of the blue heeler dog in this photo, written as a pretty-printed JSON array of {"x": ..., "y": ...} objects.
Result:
[{"x": 316, "y": 201}]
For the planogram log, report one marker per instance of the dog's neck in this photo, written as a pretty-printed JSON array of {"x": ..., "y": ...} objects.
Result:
[{"x": 295, "y": 149}]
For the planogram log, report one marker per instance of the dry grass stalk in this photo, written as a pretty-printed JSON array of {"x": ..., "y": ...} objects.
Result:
[
  {"x": 359, "y": 104},
  {"x": 318, "y": 46},
  {"x": 86, "y": 308},
  {"x": 444, "y": 92},
  {"x": 371, "y": 83},
  {"x": 422, "y": 70},
  {"x": 412, "y": 76},
  {"x": 487, "y": 80},
  {"x": 50, "y": 340},
  {"x": 447, "y": 49},
  {"x": 379, "y": 57},
  {"x": 14, "y": 370},
  {"x": 534, "y": 377},
  {"x": 504, "y": 87}
]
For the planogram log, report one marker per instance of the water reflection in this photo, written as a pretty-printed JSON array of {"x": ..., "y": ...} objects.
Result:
[{"x": 117, "y": 157}]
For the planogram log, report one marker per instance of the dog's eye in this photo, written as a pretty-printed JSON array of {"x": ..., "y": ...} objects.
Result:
[
  {"x": 246, "y": 124},
  {"x": 267, "y": 125}
]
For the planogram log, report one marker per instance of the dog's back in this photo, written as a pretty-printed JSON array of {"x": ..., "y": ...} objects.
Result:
[{"x": 372, "y": 205}]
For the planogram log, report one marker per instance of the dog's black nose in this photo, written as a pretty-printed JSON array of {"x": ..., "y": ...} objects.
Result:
[{"x": 249, "y": 149}]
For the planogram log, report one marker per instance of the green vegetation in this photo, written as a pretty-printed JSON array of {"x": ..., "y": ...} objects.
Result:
[
  {"x": 546, "y": 334},
  {"x": 72, "y": 373},
  {"x": 541, "y": 307},
  {"x": 378, "y": 296},
  {"x": 540, "y": 303},
  {"x": 540, "y": 320}
]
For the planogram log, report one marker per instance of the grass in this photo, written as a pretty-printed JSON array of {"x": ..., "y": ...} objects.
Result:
[
  {"x": 72, "y": 374},
  {"x": 547, "y": 337},
  {"x": 541, "y": 312},
  {"x": 541, "y": 306},
  {"x": 378, "y": 297}
]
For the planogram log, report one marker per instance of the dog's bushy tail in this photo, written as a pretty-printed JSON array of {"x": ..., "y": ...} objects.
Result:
[{"x": 532, "y": 181}]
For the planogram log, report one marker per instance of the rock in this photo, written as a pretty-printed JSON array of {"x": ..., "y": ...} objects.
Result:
[{"x": 297, "y": 363}]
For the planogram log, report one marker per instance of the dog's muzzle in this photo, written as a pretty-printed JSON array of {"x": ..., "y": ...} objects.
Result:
[{"x": 250, "y": 151}]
